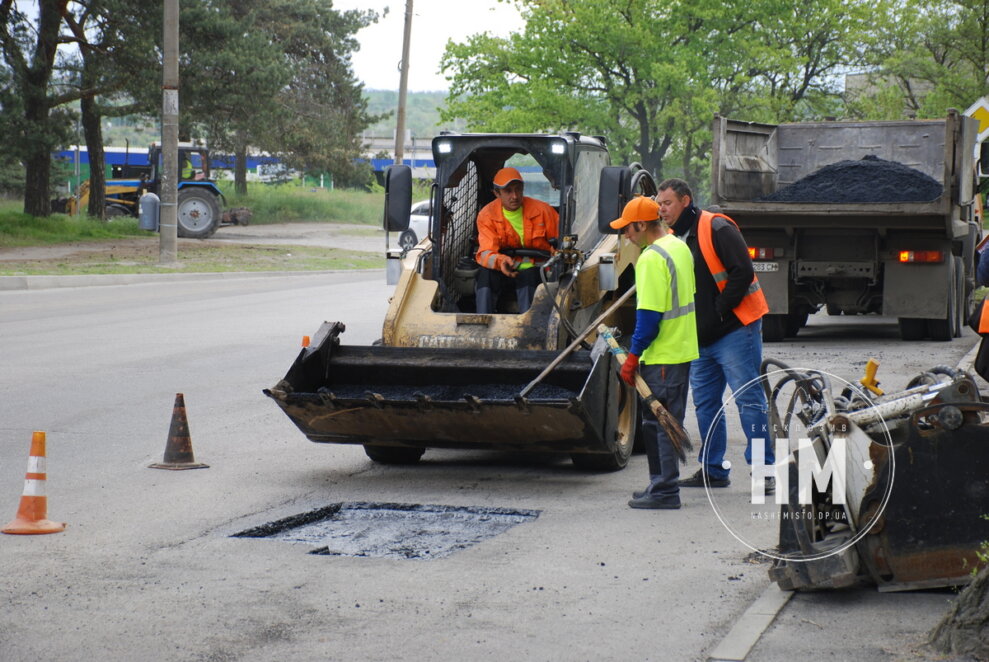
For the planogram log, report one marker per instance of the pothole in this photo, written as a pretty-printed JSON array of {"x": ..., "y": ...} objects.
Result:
[{"x": 395, "y": 530}]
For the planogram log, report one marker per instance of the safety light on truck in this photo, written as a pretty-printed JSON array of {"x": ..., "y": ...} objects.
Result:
[
  {"x": 921, "y": 256},
  {"x": 764, "y": 253}
]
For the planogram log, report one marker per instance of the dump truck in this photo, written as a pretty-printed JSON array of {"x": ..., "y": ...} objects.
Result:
[
  {"x": 906, "y": 506},
  {"x": 893, "y": 231},
  {"x": 200, "y": 202},
  {"x": 443, "y": 375}
]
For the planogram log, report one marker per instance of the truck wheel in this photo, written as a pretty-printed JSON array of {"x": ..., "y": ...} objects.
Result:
[
  {"x": 394, "y": 454},
  {"x": 625, "y": 428},
  {"x": 198, "y": 213},
  {"x": 912, "y": 328},
  {"x": 795, "y": 321},
  {"x": 774, "y": 328}
]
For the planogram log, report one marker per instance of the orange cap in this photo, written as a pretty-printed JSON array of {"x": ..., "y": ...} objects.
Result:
[
  {"x": 638, "y": 209},
  {"x": 506, "y": 176}
]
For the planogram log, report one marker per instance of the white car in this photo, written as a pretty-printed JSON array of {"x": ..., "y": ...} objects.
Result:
[{"x": 418, "y": 226}]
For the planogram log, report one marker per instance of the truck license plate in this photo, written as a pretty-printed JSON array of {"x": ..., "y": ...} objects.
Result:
[{"x": 765, "y": 266}]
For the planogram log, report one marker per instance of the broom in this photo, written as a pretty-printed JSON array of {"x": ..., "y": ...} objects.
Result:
[{"x": 679, "y": 438}]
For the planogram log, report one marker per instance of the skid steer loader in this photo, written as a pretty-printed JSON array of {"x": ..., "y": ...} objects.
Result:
[{"x": 444, "y": 376}]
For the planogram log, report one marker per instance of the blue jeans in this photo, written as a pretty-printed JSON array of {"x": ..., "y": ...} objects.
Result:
[
  {"x": 669, "y": 384},
  {"x": 734, "y": 360}
]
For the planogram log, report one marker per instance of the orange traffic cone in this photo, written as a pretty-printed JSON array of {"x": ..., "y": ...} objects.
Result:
[
  {"x": 32, "y": 515},
  {"x": 178, "y": 449}
]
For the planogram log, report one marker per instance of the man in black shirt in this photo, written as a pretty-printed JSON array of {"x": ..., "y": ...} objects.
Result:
[{"x": 730, "y": 306}]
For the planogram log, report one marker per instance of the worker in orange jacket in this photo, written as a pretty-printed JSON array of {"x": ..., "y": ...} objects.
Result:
[{"x": 509, "y": 221}]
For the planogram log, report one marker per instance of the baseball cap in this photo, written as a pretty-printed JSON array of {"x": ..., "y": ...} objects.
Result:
[
  {"x": 638, "y": 209},
  {"x": 506, "y": 176}
]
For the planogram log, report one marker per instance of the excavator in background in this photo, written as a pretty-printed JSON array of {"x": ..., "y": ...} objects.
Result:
[{"x": 444, "y": 376}]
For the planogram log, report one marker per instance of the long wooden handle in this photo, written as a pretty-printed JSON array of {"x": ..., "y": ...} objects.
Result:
[
  {"x": 678, "y": 437},
  {"x": 572, "y": 346}
]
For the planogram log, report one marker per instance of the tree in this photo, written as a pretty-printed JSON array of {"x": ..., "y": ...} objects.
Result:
[
  {"x": 276, "y": 75},
  {"x": 649, "y": 74},
  {"x": 928, "y": 56},
  {"x": 29, "y": 54},
  {"x": 115, "y": 53}
]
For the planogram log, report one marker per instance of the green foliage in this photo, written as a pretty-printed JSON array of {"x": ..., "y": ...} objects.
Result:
[
  {"x": 19, "y": 229},
  {"x": 275, "y": 74},
  {"x": 933, "y": 53},
  {"x": 650, "y": 74},
  {"x": 286, "y": 203}
]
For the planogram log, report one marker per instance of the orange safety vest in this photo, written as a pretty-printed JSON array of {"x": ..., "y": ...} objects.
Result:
[
  {"x": 753, "y": 305},
  {"x": 984, "y": 318}
]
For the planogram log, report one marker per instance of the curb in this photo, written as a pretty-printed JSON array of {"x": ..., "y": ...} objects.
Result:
[{"x": 13, "y": 283}]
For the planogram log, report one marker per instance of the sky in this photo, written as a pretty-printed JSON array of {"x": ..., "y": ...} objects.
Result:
[{"x": 433, "y": 23}]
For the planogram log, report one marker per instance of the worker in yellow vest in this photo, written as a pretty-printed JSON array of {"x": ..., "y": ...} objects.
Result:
[{"x": 664, "y": 342}]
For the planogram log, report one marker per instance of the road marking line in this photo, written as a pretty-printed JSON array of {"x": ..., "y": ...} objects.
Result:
[{"x": 750, "y": 626}]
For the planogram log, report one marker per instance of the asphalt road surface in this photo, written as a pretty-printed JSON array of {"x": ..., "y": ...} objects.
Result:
[{"x": 147, "y": 568}]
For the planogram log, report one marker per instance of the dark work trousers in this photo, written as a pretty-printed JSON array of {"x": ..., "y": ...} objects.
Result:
[
  {"x": 490, "y": 283},
  {"x": 669, "y": 384}
]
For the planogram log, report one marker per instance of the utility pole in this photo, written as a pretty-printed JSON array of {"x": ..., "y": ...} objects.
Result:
[
  {"x": 403, "y": 86},
  {"x": 168, "y": 219}
]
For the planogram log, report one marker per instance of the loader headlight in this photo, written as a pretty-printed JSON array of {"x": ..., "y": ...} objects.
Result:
[
  {"x": 444, "y": 147},
  {"x": 558, "y": 148}
]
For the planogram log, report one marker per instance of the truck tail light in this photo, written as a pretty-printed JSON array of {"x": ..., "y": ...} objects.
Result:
[
  {"x": 764, "y": 253},
  {"x": 921, "y": 256}
]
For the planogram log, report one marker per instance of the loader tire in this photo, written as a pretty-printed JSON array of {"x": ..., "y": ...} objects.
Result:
[
  {"x": 625, "y": 429},
  {"x": 394, "y": 454},
  {"x": 198, "y": 213}
]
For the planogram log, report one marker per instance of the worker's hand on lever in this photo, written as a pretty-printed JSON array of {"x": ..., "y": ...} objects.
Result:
[
  {"x": 508, "y": 269},
  {"x": 629, "y": 368}
]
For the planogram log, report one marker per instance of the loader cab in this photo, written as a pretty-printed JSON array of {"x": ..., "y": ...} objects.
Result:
[{"x": 561, "y": 170}]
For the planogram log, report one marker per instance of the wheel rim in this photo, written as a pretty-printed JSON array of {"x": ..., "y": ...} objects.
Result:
[{"x": 195, "y": 214}]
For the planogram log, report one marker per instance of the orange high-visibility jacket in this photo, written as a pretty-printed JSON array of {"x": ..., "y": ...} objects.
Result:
[
  {"x": 540, "y": 223},
  {"x": 753, "y": 305},
  {"x": 984, "y": 317}
]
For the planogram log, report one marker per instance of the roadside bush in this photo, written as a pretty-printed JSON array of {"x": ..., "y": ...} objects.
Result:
[
  {"x": 291, "y": 203},
  {"x": 19, "y": 229}
]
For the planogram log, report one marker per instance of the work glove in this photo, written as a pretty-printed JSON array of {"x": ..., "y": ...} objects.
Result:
[{"x": 629, "y": 367}]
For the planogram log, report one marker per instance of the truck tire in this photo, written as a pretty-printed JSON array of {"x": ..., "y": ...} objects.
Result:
[
  {"x": 774, "y": 328},
  {"x": 394, "y": 454},
  {"x": 624, "y": 425},
  {"x": 198, "y": 213},
  {"x": 796, "y": 320},
  {"x": 912, "y": 328}
]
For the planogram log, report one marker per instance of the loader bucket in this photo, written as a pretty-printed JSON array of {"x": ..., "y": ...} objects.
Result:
[
  {"x": 447, "y": 398},
  {"x": 930, "y": 531}
]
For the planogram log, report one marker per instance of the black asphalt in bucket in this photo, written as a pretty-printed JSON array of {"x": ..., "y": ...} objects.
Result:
[{"x": 393, "y": 530}]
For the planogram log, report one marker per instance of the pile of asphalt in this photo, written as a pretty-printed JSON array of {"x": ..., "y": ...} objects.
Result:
[{"x": 869, "y": 179}]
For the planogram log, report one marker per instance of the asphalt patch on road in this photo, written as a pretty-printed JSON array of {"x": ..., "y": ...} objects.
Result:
[{"x": 392, "y": 530}]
